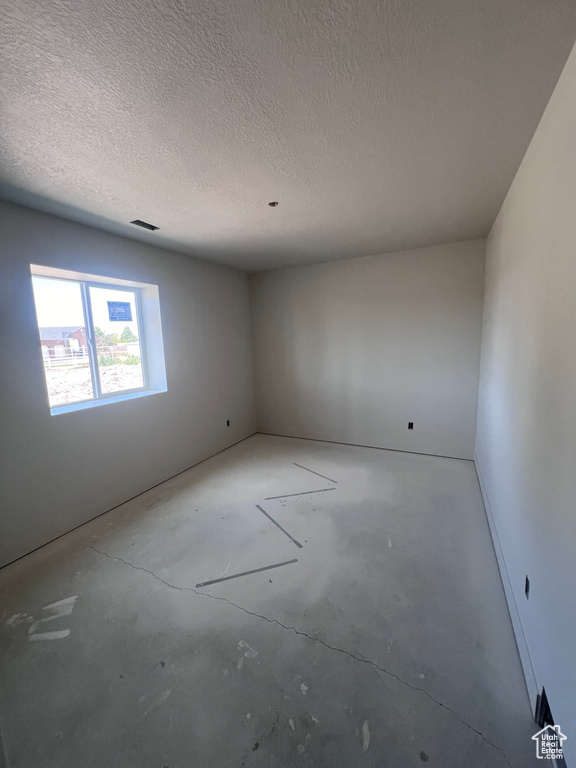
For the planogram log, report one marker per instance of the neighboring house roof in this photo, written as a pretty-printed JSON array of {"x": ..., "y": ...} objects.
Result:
[{"x": 58, "y": 332}]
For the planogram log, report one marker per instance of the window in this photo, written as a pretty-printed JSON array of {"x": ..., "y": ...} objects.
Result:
[{"x": 101, "y": 339}]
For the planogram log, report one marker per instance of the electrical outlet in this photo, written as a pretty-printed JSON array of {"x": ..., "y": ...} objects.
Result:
[
  {"x": 527, "y": 588},
  {"x": 227, "y": 422},
  {"x": 410, "y": 425}
]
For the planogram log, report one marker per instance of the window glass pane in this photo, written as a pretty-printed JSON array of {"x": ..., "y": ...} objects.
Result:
[
  {"x": 63, "y": 338},
  {"x": 117, "y": 339}
]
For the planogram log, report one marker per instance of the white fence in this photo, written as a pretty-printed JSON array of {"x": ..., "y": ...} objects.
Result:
[{"x": 60, "y": 356}]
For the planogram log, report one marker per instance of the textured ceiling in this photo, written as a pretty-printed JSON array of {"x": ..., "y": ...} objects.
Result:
[{"x": 378, "y": 125}]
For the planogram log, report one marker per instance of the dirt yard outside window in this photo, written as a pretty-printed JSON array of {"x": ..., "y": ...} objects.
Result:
[{"x": 71, "y": 385}]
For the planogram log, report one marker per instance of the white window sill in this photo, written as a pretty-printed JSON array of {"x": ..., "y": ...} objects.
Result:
[{"x": 103, "y": 401}]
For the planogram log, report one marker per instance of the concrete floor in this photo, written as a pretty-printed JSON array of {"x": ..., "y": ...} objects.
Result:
[{"x": 386, "y": 644}]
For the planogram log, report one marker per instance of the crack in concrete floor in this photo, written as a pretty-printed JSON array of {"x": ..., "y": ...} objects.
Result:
[{"x": 287, "y": 627}]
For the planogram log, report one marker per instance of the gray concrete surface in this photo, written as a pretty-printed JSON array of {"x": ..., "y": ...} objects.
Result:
[{"x": 387, "y": 643}]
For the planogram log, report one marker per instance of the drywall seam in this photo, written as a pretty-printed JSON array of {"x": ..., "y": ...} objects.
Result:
[{"x": 523, "y": 650}]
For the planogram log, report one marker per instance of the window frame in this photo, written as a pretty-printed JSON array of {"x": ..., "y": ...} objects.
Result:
[
  {"x": 91, "y": 338},
  {"x": 85, "y": 283}
]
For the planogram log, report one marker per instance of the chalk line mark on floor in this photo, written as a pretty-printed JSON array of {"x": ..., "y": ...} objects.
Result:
[
  {"x": 279, "y": 526},
  {"x": 246, "y": 573},
  {"x": 303, "y": 493},
  {"x": 315, "y": 473}
]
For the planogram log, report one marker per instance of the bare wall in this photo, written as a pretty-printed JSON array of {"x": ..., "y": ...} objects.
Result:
[
  {"x": 526, "y": 443},
  {"x": 59, "y": 471},
  {"x": 352, "y": 350}
]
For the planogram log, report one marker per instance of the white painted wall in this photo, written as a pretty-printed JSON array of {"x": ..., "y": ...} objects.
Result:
[
  {"x": 352, "y": 350},
  {"x": 526, "y": 444},
  {"x": 59, "y": 471}
]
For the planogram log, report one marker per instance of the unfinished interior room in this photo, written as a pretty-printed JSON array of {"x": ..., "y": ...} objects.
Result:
[{"x": 287, "y": 412}]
